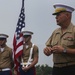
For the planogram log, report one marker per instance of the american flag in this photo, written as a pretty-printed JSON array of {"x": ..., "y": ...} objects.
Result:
[{"x": 18, "y": 40}]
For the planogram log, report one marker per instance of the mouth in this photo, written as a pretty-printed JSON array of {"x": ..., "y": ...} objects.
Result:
[{"x": 57, "y": 21}]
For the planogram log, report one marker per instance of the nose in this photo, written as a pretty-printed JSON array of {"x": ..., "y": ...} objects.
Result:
[{"x": 56, "y": 17}]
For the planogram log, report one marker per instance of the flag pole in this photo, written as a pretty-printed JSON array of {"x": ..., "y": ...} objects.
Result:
[
  {"x": 22, "y": 3},
  {"x": 22, "y": 7}
]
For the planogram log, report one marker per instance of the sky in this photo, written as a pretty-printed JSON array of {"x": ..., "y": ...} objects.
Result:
[{"x": 38, "y": 19}]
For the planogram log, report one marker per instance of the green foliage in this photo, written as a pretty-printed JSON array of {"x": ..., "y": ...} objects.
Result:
[{"x": 43, "y": 70}]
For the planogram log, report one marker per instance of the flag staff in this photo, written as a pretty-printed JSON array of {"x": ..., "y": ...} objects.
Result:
[{"x": 22, "y": 3}]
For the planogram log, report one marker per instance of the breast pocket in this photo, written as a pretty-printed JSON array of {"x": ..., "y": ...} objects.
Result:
[
  {"x": 69, "y": 41},
  {"x": 5, "y": 55}
]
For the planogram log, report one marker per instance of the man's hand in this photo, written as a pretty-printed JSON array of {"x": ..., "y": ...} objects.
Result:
[
  {"x": 57, "y": 49},
  {"x": 25, "y": 68},
  {"x": 15, "y": 72},
  {"x": 47, "y": 51}
]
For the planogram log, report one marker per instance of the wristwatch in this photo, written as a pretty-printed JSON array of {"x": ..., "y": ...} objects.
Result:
[{"x": 64, "y": 51}]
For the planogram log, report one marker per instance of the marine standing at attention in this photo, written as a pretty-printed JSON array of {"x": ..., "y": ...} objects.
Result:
[
  {"x": 29, "y": 57},
  {"x": 6, "y": 61}
]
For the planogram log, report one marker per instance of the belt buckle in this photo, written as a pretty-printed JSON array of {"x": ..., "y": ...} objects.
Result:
[{"x": 0, "y": 69}]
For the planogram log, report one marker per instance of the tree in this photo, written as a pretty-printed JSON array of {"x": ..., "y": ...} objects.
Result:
[{"x": 43, "y": 70}]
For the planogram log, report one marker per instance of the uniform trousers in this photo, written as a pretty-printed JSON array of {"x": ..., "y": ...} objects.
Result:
[
  {"x": 5, "y": 72},
  {"x": 68, "y": 70},
  {"x": 29, "y": 72}
]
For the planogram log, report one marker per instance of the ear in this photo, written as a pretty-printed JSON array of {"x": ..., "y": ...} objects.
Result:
[
  {"x": 68, "y": 14},
  {"x": 5, "y": 40}
]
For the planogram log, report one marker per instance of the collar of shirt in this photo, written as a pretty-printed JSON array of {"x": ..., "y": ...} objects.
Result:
[{"x": 1, "y": 49}]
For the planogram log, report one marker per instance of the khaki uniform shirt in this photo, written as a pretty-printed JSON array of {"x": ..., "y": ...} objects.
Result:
[
  {"x": 66, "y": 40},
  {"x": 26, "y": 52},
  {"x": 6, "y": 58}
]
